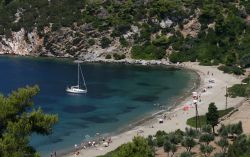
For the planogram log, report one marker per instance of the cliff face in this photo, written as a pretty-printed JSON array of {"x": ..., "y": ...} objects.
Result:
[
  {"x": 66, "y": 42},
  {"x": 21, "y": 43}
]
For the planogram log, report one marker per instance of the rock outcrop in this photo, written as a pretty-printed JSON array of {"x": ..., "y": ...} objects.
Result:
[{"x": 21, "y": 43}]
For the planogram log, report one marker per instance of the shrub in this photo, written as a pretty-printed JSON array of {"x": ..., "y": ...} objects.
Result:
[
  {"x": 237, "y": 90},
  {"x": 147, "y": 52},
  {"x": 231, "y": 70},
  {"x": 123, "y": 42},
  {"x": 118, "y": 57},
  {"x": 91, "y": 42},
  {"x": 105, "y": 42},
  {"x": 108, "y": 56}
]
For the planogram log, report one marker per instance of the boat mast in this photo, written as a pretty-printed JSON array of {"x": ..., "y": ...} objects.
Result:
[
  {"x": 78, "y": 75},
  {"x": 83, "y": 78}
]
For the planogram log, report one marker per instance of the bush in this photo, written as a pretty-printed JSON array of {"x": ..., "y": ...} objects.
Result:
[
  {"x": 108, "y": 56},
  {"x": 147, "y": 52},
  {"x": 237, "y": 90},
  {"x": 123, "y": 42},
  {"x": 118, "y": 57},
  {"x": 231, "y": 70},
  {"x": 105, "y": 42},
  {"x": 91, "y": 42}
]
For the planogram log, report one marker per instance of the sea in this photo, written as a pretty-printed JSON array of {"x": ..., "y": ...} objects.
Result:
[{"x": 118, "y": 95}]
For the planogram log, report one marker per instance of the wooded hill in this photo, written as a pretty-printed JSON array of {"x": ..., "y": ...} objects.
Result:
[{"x": 210, "y": 31}]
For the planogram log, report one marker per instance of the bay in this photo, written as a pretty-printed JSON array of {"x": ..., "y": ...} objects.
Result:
[{"x": 117, "y": 95}]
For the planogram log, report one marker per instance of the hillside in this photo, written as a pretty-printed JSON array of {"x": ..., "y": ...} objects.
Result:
[{"x": 209, "y": 31}]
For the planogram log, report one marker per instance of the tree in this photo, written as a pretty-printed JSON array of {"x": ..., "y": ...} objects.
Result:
[
  {"x": 19, "y": 119},
  {"x": 206, "y": 149},
  {"x": 138, "y": 147},
  {"x": 167, "y": 146},
  {"x": 188, "y": 143},
  {"x": 207, "y": 129},
  {"x": 223, "y": 143},
  {"x": 186, "y": 154},
  {"x": 190, "y": 132},
  {"x": 206, "y": 138},
  {"x": 212, "y": 115}
]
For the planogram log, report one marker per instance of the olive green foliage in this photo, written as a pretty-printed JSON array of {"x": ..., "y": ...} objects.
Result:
[
  {"x": 19, "y": 119},
  {"x": 240, "y": 147},
  {"x": 203, "y": 118},
  {"x": 137, "y": 148},
  {"x": 174, "y": 141},
  {"x": 186, "y": 154}
]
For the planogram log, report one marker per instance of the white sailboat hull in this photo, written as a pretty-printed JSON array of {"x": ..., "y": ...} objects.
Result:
[{"x": 76, "y": 90}]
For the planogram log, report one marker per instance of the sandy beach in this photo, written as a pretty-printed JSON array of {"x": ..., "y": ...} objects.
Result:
[{"x": 176, "y": 119}]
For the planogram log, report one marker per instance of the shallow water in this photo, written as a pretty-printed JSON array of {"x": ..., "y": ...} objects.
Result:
[{"x": 117, "y": 95}]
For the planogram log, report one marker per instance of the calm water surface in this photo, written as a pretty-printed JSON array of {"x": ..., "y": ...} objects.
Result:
[{"x": 117, "y": 95}]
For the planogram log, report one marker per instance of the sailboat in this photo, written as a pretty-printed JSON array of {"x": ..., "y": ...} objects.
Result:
[{"x": 77, "y": 89}]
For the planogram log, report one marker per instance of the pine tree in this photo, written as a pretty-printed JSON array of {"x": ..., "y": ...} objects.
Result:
[{"x": 212, "y": 115}]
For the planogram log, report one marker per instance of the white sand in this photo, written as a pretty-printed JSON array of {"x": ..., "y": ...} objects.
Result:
[{"x": 178, "y": 116}]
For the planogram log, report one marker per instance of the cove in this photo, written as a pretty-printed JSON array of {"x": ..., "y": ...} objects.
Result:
[{"x": 117, "y": 95}]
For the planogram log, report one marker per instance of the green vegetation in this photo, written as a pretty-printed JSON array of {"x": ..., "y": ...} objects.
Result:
[
  {"x": 223, "y": 35},
  {"x": 139, "y": 147},
  {"x": 118, "y": 57},
  {"x": 147, "y": 52},
  {"x": 105, "y": 42},
  {"x": 212, "y": 116},
  {"x": 19, "y": 119},
  {"x": 232, "y": 70},
  {"x": 174, "y": 142},
  {"x": 241, "y": 90},
  {"x": 108, "y": 56},
  {"x": 203, "y": 119}
]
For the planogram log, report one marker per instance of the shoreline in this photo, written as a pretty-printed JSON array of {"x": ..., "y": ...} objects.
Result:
[
  {"x": 177, "y": 115},
  {"x": 149, "y": 117}
]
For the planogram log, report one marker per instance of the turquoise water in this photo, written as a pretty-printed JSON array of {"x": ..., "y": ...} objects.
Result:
[{"x": 117, "y": 95}]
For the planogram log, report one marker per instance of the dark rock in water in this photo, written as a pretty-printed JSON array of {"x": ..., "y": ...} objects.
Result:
[
  {"x": 56, "y": 140},
  {"x": 100, "y": 119},
  {"x": 143, "y": 84},
  {"x": 146, "y": 98},
  {"x": 78, "y": 109}
]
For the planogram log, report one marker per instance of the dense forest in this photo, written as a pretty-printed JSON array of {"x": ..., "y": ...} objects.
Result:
[{"x": 222, "y": 33}]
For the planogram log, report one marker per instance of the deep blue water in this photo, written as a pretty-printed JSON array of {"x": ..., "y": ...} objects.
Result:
[{"x": 117, "y": 95}]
